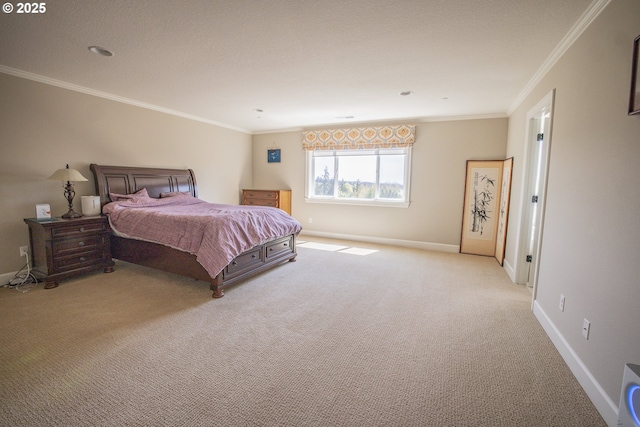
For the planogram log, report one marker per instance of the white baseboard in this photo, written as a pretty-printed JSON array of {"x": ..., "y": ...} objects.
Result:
[
  {"x": 5, "y": 277},
  {"x": 511, "y": 272},
  {"x": 384, "y": 241},
  {"x": 603, "y": 403}
]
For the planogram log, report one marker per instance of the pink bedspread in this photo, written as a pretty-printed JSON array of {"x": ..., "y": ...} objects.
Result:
[{"x": 215, "y": 233}]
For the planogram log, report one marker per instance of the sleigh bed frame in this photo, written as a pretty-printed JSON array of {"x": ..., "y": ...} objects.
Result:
[{"x": 128, "y": 180}]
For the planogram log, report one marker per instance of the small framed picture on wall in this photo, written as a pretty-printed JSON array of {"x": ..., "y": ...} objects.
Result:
[{"x": 273, "y": 155}]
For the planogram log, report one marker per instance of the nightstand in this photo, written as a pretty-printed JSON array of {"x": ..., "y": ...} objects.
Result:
[
  {"x": 274, "y": 198},
  {"x": 62, "y": 248}
]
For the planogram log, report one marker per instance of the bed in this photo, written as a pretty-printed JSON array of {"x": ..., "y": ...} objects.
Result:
[{"x": 158, "y": 183}]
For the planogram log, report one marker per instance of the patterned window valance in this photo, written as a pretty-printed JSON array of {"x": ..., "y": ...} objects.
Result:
[{"x": 368, "y": 138}]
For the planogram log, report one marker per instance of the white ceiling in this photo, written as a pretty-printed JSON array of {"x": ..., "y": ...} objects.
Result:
[{"x": 305, "y": 63}]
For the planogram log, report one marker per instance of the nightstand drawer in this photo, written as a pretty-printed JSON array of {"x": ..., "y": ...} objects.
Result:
[
  {"x": 60, "y": 247},
  {"x": 84, "y": 259},
  {"x": 79, "y": 229}
]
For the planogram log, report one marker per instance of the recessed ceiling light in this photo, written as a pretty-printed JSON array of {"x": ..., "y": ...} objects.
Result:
[
  {"x": 100, "y": 51},
  {"x": 406, "y": 93}
]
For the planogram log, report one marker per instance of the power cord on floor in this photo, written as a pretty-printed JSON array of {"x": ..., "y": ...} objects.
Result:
[{"x": 24, "y": 281}]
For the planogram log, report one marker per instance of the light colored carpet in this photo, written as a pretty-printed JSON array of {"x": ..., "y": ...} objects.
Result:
[{"x": 398, "y": 337}]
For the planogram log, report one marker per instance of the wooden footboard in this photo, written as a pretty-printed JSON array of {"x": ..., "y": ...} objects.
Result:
[{"x": 245, "y": 265}]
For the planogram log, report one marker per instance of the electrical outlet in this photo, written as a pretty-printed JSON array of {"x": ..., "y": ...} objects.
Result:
[
  {"x": 586, "y": 326},
  {"x": 24, "y": 250},
  {"x": 561, "y": 306}
]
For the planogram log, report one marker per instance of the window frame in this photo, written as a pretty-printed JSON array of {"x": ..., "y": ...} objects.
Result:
[{"x": 310, "y": 178}]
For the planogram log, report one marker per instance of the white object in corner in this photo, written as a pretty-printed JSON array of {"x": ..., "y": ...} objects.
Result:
[
  {"x": 90, "y": 205},
  {"x": 629, "y": 409}
]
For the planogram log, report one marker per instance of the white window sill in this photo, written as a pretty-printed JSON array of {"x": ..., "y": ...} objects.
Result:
[{"x": 357, "y": 202}]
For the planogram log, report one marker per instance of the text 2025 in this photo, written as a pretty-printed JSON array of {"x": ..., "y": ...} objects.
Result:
[{"x": 31, "y": 7}]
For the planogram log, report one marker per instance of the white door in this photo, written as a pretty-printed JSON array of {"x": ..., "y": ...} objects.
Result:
[{"x": 539, "y": 122}]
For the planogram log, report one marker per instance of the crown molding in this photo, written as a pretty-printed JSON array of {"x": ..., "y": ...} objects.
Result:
[
  {"x": 578, "y": 28},
  {"x": 111, "y": 97},
  {"x": 466, "y": 117}
]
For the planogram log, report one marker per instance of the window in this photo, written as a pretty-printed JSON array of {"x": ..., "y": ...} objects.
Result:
[
  {"x": 362, "y": 176},
  {"x": 368, "y": 165}
]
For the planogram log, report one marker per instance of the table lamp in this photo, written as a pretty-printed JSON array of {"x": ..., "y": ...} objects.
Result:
[{"x": 70, "y": 176}]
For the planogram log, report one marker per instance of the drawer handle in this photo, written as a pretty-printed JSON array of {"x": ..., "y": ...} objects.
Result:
[
  {"x": 253, "y": 256},
  {"x": 80, "y": 243},
  {"x": 82, "y": 259},
  {"x": 286, "y": 244},
  {"x": 234, "y": 263},
  {"x": 82, "y": 229}
]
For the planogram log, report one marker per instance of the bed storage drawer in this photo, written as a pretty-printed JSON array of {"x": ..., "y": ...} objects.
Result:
[
  {"x": 279, "y": 247},
  {"x": 245, "y": 261},
  {"x": 260, "y": 257}
]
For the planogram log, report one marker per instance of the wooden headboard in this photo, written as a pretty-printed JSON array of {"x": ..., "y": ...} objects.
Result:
[{"x": 128, "y": 180}]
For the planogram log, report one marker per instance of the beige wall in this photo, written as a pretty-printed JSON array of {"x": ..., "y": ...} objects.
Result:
[
  {"x": 591, "y": 241},
  {"x": 44, "y": 127},
  {"x": 434, "y": 216}
]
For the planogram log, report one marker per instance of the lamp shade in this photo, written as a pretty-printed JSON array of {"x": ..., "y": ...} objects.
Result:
[{"x": 67, "y": 175}]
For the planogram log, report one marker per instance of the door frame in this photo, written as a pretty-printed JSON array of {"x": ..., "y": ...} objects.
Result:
[{"x": 544, "y": 106}]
